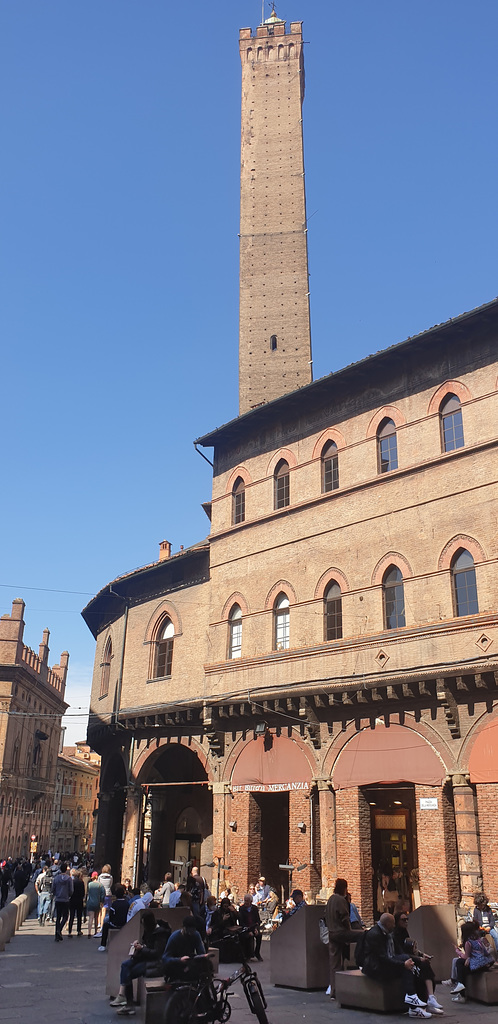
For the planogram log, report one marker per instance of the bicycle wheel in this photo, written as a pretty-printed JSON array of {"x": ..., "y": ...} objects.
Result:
[
  {"x": 179, "y": 1007},
  {"x": 255, "y": 1001}
]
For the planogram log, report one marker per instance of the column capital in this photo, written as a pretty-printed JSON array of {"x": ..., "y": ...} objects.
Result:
[
  {"x": 221, "y": 788},
  {"x": 323, "y": 784},
  {"x": 458, "y": 779}
]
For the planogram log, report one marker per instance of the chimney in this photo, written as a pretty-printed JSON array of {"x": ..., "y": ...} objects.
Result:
[{"x": 164, "y": 550}]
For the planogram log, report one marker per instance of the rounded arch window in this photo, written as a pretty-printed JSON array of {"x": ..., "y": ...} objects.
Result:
[
  {"x": 106, "y": 668},
  {"x": 394, "y": 598},
  {"x": 164, "y": 650},
  {"x": 330, "y": 467},
  {"x": 281, "y": 478},
  {"x": 332, "y": 612},
  {"x": 464, "y": 583},
  {"x": 281, "y": 622},
  {"x": 238, "y": 501},
  {"x": 451, "y": 423},
  {"x": 387, "y": 446},
  {"x": 235, "y": 632}
]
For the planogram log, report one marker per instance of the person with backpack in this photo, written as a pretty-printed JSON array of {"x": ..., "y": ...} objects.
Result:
[
  {"x": 337, "y": 919},
  {"x": 43, "y": 886}
]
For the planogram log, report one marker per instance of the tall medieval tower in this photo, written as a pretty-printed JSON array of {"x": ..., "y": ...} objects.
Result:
[{"x": 274, "y": 331}]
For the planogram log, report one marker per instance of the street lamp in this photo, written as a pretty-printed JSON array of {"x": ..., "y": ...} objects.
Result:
[{"x": 291, "y": 868}]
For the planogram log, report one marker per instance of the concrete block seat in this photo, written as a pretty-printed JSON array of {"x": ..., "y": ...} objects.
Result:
[
  {"x": 152, "y": 994},
  {"x": 483, "y": 986},
  {"x": 355, "y": 990},
  {"x": 298, "y": 957}
]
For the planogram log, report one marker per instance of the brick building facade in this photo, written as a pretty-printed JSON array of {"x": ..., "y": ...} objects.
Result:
[
  {"x": 315, "y": 683},
  {"x": 31, "y": 709},
  {"x": 76, "y": 800}
]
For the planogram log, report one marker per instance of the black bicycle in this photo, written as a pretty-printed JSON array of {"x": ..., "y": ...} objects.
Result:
[{"x": 205, "y": 999}]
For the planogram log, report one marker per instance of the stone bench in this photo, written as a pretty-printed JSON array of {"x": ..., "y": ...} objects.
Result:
[
  {"x": 483, "y": 986},
  {"x": 355, "y": 990},
  {"x": 152, "y": 994}
]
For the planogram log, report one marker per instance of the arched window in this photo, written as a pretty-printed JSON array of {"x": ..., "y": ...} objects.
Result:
[
  {"x": 330, "y": 467},
  {"x": 281, "y": 484},
  {"x": 238, "y": 501},
  {"x": 450, "y": 418},
  {"x": 164, "y": 650},
  {"x": 387, "y": 446},
  {"x": 332, "y": 608},
  {"x": 235, "y": 632},
  {"x": 464, "y": 583},
  {"x": 106, "y": 668},
  {"x": 281, "y": 622},
  {"x": 394, "y": 598}
]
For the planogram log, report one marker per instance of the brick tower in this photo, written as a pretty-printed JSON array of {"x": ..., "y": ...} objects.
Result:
[{"x": 274, "y": 332}]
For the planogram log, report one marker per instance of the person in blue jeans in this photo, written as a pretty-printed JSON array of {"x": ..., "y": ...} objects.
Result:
[{"x": 145, "y": 954}]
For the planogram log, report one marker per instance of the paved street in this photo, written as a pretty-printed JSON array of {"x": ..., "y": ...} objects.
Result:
[{"x": 42, "y": 982}]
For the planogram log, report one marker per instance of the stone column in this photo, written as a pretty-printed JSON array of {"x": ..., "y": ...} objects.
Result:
[
  {"x": 326, "y": 803},
  {"x": 133, "y": 816},
  {"x": 221, "y": 792},
  {"x": 467, "y": 836}
]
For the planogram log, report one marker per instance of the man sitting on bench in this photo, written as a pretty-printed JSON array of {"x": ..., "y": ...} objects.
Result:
[{"x": 379, "y": 962}]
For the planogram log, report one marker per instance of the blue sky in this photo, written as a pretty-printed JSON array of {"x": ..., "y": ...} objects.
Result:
[{"x": 120, "y": 127}]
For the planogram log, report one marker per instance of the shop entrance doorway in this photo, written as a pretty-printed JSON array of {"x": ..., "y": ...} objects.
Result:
[
  {"x": 394, "y": 844},
  {"x": 274, "y": 832}
]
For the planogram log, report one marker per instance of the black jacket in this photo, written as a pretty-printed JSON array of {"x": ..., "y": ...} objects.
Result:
[{"x": 376, "y": 962}]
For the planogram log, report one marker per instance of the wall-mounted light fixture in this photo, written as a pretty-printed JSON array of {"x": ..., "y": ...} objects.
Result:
[
  {"x": 260, "y": 728},
  {"x": 232, "y": 825},
  {"x": 301, "y": 826}
]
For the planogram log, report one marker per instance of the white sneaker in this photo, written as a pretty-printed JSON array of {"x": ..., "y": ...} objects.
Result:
[
  {"x": 118, "y": 1001},
  {"x": 448, "y": 981},
  {"x": 414, "y": 1001},
  {"x": 458, "y": 998},
  {"x": 101, "y": 949},
  {"x": 432, "y": 1001},
  {"x": 459, "y": 987},
  {"x": 328, "y": 991},
  {"x": 418, "y": 1011}
]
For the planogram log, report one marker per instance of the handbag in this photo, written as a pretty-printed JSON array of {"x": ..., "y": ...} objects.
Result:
[{"x": 324, "y": 932}]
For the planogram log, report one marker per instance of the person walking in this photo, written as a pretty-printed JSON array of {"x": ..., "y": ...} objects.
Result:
[
  {"x": 62, "y": 890},
  {"x": 43, "y": 886},
  {"x": 76, "y": 903},
  {"x": 105, "y": 879},
  {"x": 95, "y": 896}
]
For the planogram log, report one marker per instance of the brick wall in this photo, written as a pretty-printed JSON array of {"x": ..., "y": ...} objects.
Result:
[
  {"x": 354, "y": 858},
  {"x": 487, "y": 803},
  {"x": 437, "y": 853}
]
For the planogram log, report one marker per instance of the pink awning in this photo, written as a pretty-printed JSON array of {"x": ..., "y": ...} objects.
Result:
[
  {"x": 392, "y": 755},
  {"x": 278, "y": 768},
  {"x": 483, "y": 763}
]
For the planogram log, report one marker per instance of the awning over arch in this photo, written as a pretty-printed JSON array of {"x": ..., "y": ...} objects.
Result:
[
  {"x": 382, "y": 755},
  {"x": 275, "y": 768},
  {"x": 483, "y": 764}
]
